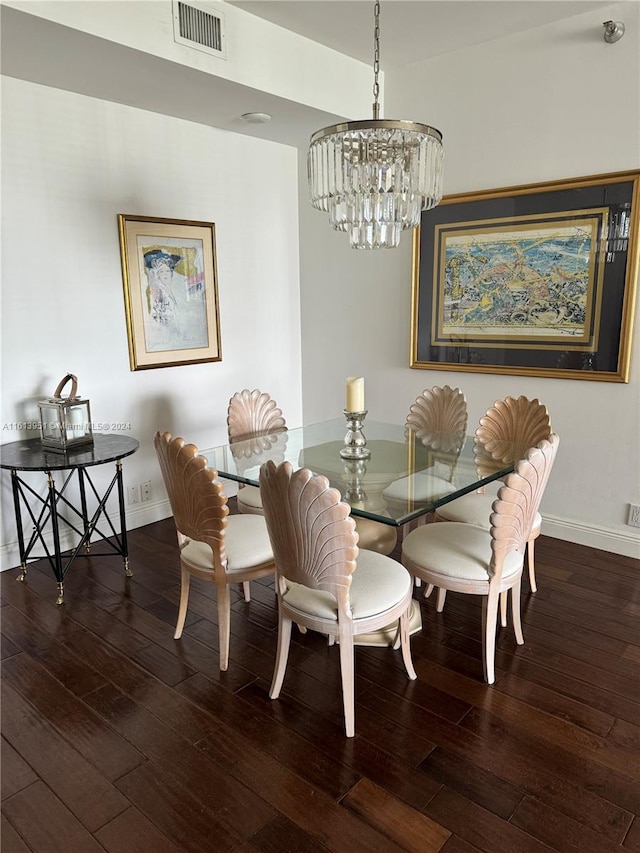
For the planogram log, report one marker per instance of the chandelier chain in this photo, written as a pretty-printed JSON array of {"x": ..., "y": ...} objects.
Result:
[{"x": 376, "y": 59}]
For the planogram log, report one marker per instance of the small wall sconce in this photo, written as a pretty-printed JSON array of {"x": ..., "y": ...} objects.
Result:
[
  {"x": 613, "y": 31},
  {"x": 65, "y": 421}
]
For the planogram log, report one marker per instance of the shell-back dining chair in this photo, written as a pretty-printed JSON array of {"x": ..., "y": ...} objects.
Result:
[
  {"x": 214, "y": 545},
  {"x": 324, "y": 582},
  {"x": 438, "y": 418},
  {"x": 469, "y": 559},
  {"x": 505, "y": 432},
  {"x": 252, "y": 414},
  {"x": 255, "y": 413}
]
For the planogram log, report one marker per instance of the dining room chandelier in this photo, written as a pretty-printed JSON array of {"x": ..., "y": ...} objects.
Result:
[{"x": 374, "y": 177}]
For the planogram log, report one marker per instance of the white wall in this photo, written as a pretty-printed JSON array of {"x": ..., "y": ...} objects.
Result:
[
  {"x": 70, "y": 164},
  {"x": 556, "y": 102}
]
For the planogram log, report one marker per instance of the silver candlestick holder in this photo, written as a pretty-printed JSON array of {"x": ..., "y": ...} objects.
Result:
[
  {"x": 355, "y": 444},
  {"x": 355, "y": 470}
]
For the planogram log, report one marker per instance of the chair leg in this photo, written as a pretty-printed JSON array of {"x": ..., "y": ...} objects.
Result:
[
  {"x": 246, "y": 586},
  {"x": 504, "y": 600},
  {"x": 185, "y": 578},
  {"x": 347, "y": 673},
  {"x": 224, "y": 623},
  {"x": 489, "y": 620},
  {"x": 417, "y": 582},
  {"x": 442, "y": 594},
  {"x": 406, "y": 643},
  {"x": 530, "y": 563},
  {"x": 515, "y": 610},
  {"x": 428, "y": 590},
  {"x": 284, "y": 638}
]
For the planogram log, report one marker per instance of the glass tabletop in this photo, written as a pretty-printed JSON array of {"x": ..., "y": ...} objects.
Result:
[{"x": 406, "y": 476}]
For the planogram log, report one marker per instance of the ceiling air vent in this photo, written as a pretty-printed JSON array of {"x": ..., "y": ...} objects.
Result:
[{"x": 199, "y": 26}]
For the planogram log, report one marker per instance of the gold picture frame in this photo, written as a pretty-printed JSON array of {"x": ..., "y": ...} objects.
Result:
[
  {"x": 170, "y": 291},
  {"x": 537, "y": 280}
]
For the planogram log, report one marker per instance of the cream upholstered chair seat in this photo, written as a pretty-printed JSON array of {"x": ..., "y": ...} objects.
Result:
[
  {"x": 475, "y": 509},
  {"x": 462, "y": 553},
  {"x": 249, "y": 500},
  {"x": 379, "y": 584},
  {"x": 421, "y": 486},
  {"x": 246, "y": 544}
]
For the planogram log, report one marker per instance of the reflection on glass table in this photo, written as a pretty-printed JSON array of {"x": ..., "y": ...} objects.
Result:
[{"x": 405, "y": 476}]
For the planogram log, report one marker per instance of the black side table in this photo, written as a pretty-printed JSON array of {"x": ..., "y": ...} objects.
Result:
[{"x": 29, "y": 455}]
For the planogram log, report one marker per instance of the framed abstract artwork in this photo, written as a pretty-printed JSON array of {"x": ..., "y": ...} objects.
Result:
[
  {"x": 537, "y": 280},
  {"x": 170, "y": 291}
]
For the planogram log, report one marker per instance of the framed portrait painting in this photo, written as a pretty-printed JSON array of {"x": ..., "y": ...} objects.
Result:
[
  {"x": 537, "y": 280},
  {"x": 170, "y": 291}
]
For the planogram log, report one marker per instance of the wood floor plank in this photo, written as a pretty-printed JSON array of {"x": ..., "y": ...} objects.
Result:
[
  {"x": 16, "y": 773},
  {"x": 282, "y": 836},
  {"x": 71, "y": 717},
  {"x": 188, "y": 823},
  {"x": 132, "y": 832},
  {"x": 83, "y": 790},
  {"x": 46, "y": 824},
  {"x": 411, "y": 830},
  {"x": 473, "y": 782},
  {"x": 165, "y": 666},
  {"x": 77, "y": 676},
  {"x": 10, "y": 840},
  {"x": 549, "y": 825},
  {"x": 479, "y": 827},
  {"x": 7, "y": 646}
]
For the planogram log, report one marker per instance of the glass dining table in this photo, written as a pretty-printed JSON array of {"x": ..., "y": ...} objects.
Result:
[{"x": 406, "y": 476}]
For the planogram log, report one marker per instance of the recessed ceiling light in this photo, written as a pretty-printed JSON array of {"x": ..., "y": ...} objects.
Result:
[{"x": 256, "y": 118}]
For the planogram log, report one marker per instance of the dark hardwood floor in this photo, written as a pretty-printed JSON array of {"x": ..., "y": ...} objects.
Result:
[{"x": 116, "y": 737}]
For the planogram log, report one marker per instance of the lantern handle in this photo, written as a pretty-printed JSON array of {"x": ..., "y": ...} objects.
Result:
[{"x": 74, "y": 386}]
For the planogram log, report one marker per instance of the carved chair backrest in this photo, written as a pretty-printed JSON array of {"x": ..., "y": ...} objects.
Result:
[
  {"x": 439, "y": 418},
  {"x": 311, "y": 530},
  {"x": 507, "y": 430},
  {"x": 253, "y": 413},
  {"x": 518, "y": 501},
  {"x": 197, "y": 499}
]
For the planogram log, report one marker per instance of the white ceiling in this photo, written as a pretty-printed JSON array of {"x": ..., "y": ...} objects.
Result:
[
  {"x": 73, "y": 60},
  {"x": 412, "y": 30}
]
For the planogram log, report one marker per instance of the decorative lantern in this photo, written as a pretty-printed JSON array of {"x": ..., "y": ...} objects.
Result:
[{"x": 65, "y": 422}]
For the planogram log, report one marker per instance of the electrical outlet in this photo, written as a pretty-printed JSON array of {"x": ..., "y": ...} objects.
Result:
[
  {"x": 145, "y": 491},
  {"x": 634, "y": 515},
  {"x": 133, "y": 494}
]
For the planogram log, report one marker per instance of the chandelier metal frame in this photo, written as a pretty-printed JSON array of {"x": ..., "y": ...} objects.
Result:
[{"x": 374, "y": 177}]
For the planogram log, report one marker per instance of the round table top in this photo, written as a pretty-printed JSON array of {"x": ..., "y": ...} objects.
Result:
[{"x": 30, "y": 455}]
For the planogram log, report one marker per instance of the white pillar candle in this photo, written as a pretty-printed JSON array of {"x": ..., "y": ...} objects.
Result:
[
  {"x": 355, "y": 394},
  {"x": 75, "y": 426}
]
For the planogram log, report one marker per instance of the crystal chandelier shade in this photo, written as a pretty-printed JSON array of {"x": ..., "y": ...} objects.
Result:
[{"x": 375, "y": 177}]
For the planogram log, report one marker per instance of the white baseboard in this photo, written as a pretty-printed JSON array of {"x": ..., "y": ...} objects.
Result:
[{"x": 592, "y": 535}]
